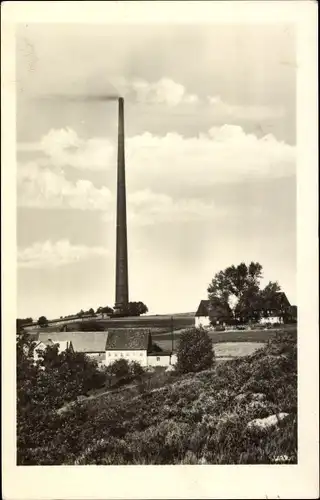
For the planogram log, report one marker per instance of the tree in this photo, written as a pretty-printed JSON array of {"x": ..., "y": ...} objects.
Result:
[
  {"x": 107, "y": 310},
  {"x": 21, "y": 322},
  {"x": 237, "y": 290},
  {"x": 135, "y": 309},
  {"x": 195, "y": 351},
  {"x": 91, "y": 311},
  {"x": 42, "y": 321},
  {"x": 104, "y": 310}
]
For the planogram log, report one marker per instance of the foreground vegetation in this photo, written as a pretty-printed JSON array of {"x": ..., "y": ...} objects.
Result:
[{"x": 166, "y": 418}]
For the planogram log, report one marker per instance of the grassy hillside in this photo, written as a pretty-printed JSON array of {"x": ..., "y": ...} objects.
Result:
[{"x": 190, "y": 419}]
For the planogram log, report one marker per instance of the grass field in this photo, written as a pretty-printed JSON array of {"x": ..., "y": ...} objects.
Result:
[
  {"x": 164, "y": 340},
  {"x": 163, "y": 322}
]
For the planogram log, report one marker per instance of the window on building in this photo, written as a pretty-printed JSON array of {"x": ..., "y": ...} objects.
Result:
[
  {"x": 158, "y": 358},
  {"x": 109, "y": 353},
  {"x": 140, "y": 353},
  {"x": 116, "y": 355}
]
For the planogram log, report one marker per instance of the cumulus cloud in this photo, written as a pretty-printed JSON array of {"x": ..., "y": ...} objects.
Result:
[
  {"x": 163, "y": 91},
  {"x": 223, "y": 154},
  {"x": 40, "y": 187},
  {"x": 248, "y": 112},
  {"x": 44, "y": 189},
  {"x": 48, "y": 254},
  {"x": 146, "y": 207},
  {"x": 63, "y": 147}
]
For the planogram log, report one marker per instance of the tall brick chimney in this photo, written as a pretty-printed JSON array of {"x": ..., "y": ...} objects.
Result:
[{"x": 122, "y": 293}]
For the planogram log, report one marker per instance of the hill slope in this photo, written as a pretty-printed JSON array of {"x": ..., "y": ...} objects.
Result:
[{"x": 207, "y": 417}]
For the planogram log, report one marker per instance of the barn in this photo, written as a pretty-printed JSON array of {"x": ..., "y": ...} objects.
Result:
[
  {"x": 208, "y": 314},
  {"x": 136, "y": 345}
]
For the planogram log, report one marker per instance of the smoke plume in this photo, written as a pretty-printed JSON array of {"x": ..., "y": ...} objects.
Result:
[{"x": 80, "y": 98}]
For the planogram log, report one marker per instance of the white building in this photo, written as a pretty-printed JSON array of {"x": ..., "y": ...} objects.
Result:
[
  {"x": 135, "y": 345},
  {"x": 107, "y": 347},
  {"x": 93, "y": 344},
  {"x": 41, "y": 346},
  {"x": 275, "y": 309},
  {"x": 202, "y": 318},
  {"x": 271, "y": 320}
]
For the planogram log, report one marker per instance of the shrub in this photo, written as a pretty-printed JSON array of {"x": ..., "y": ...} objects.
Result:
[
  {"x": 195, "y": 351},
  {"x": 136, "y": 369},
  {"x": 120, "y": 369}
]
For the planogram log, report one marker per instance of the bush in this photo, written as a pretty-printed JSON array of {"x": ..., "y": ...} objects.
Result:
[
  {"x": 120, "y": 369},
  {"x": 136, "y": 369},
  {"x": 195, "y": 351}
]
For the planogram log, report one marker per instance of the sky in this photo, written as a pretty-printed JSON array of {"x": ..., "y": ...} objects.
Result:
[{"x": 210, "y": 161}]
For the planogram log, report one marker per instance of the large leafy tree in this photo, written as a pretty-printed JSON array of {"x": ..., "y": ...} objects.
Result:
[
  {"x": 240, "y": 286},
  {"x": 195, "y": 351}
]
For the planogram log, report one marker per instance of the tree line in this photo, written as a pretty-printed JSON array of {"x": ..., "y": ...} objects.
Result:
[{"x": 131, "y": 309}]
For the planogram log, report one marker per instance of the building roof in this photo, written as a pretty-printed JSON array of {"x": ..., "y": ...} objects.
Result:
[
  {"x": 128, "y": 340},
  {"x": 90, "y": 342},
  {"x": 203, "y": 309},
  {"x": 160, "y": 353},
  {"x": 206, "y": 308},
  {"x": 278, "y": 302}
]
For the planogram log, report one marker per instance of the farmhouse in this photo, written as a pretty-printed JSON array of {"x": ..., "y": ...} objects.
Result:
[
  {"x": 105, "y": 348},
  {"x": 276, "y": 310},
  {"x": 90, "y": 343},
  {"x": 135, "y": 345},
  {"x": 41, "y": 346},
  {"x": 208, "y": 314},
  {"x": 202, "y": 318}
]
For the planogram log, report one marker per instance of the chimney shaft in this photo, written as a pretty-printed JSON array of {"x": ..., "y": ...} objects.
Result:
[{"x": 122, "y": 293}]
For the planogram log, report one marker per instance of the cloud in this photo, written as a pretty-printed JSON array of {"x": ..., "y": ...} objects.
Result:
[
  {"x": 164, "y": 91},
  {"x": 48, "y": 254},
  {"x": 63, "y": 147},
  {"x": 42, "y": 187},
  {"x": 247, "y": 112},
  {"x": 46, "y": 189},
  {"x": 224, "y": 154},
  {"x": 146, "y": 207}
]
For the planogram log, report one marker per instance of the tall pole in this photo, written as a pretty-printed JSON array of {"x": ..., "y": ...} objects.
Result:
[
  {"x": 172, "y": 341},
  {"x": 122, "y": 292}
]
